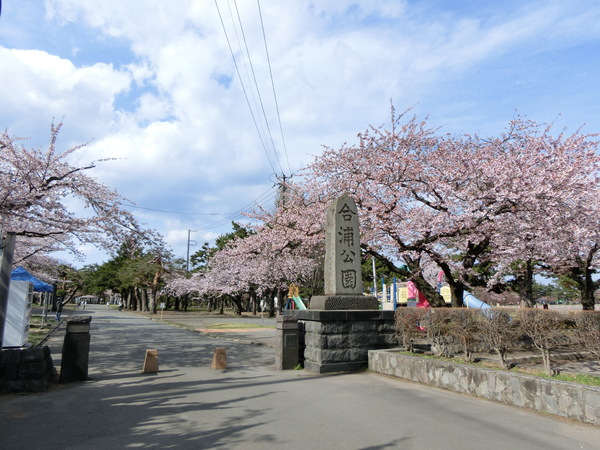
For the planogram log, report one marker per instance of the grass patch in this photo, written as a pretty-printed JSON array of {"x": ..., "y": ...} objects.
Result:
[
  {"x": 580, "y": 378},
  {"x": 37, "y": 332},
  {"x": 37, "y": 335}
]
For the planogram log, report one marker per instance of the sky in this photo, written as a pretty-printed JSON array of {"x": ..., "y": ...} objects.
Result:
[{"x": 204, "y": 106}]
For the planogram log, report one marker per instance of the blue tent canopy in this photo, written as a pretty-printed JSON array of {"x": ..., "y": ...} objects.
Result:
[{"x": 20, "y": 274}]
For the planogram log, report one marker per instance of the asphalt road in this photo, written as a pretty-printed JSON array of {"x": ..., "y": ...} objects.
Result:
[{"x": 251, "y": 405}]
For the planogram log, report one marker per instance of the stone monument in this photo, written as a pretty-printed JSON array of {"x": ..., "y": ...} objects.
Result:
[
  {"x": 343, "y": 277},
  {"x": 339, "y": 329}
]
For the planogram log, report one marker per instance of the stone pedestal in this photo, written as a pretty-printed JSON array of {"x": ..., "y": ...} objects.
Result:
[
  {"x": 76, "y": 350},
  {"x": 286, "y": 342},
  {"x": 339, "y": 341}
]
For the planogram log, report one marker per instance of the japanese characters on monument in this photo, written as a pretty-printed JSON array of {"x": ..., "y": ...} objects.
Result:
[{"x": 342, "y": 255}]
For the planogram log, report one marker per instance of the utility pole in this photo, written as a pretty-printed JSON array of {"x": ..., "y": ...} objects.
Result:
[
  {"x": 7, "y": 247},
  {"x": 283, "y": 189},
  {"x": 187, "y": 259}
]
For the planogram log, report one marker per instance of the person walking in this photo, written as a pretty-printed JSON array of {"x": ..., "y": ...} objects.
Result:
[{"x": 59, "y": 308}]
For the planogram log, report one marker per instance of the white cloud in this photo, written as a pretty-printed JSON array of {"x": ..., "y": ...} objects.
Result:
[{"x": 37, "y": 86}]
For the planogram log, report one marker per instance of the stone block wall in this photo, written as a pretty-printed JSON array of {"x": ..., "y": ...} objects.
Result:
[
  {"x": 561, "y": 398},
  {"x": 26, "y": 370},
  {"x": 339, "y": 341}
]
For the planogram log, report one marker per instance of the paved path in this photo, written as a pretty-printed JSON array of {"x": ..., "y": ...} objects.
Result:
[
  {"x": 251, "y": 405},
  {"x": 262, "y": 334}
]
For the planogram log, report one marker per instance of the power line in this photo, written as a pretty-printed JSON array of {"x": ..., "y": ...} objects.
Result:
[
  {"x": 256, "y": 84},
  {"x": 262, "y": 198},
  {"x": 266, "y": 196},
  {"x": 128, "y": 205},
  {"x": 273, "y": 86},
  {"x": 244, "y": 88}
]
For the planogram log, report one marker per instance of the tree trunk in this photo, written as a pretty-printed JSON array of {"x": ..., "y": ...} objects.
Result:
[
  {"x": 271, "y": 303},
  {"x": 152, "y": 299},
  {"x": 281, "y": 295},
  {"x": 528, "y": 283},
  {"x": 186, "y": 301},
  {"x": 525, "y": 286},
  {"x": 431, "y": 294},
  {"x": 546, "y": 360},
  {"x": 502, "y": 353},
  {"x": 155, "y": 282},
  {"x": 137, "y": 304},
  {"x": 238, "y": 302},
  {"x": 131, "y": 300},
  {"x": 457, "y": 290},
  {"x": 254, "y": 302},
  {"x": 143, "y": 299},
  {"x": 588, "y": 301},
  {"x": 588, "y": 286}
]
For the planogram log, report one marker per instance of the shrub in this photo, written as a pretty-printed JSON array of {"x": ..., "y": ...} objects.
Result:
[
  {"x": 410, "y": 326},
  {"x": 438, "y": 330},
  {"x": 499, "y": 331},
  {"x": 587, "y": 331},
  {"x": 465, "y": 325},
  {"x": 546, "y": 329}
]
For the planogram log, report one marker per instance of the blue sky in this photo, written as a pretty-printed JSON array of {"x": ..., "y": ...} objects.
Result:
[{"x": 153, "y": 83}]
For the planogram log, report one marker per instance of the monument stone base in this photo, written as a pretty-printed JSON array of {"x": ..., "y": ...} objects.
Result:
[
  {"x": 339, "y": 341},
  {"x": 343, "y": 302}
]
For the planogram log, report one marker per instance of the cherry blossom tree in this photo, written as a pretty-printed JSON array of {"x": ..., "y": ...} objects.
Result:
[
  {"x": 456, "y": 200},
  {"x": 459, "y": 202},
  {"x": 40, "y": 192},
  {"x": 258, "y": 263},
  {"x": 575, "y": 252},
  {"x": 556, "y": 226}
]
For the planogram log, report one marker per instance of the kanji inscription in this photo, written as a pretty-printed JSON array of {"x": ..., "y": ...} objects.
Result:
[{"x": 342, "y": 255}]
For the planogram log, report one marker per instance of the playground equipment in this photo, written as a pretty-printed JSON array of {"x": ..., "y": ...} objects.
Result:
[
  {"x": 470, "y": 301},
  {"x": 299, "y": 303},
  {"x": 294, "y": 294},
  {"x": 413, "y": 292},
  {"x": 398, "y": 293}
]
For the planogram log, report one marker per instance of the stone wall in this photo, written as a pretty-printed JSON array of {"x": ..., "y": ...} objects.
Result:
[
  {"x": 26, "y": 370},
  {"x": 339, "y": 341},
  {"x": 570, "y": 400}
]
